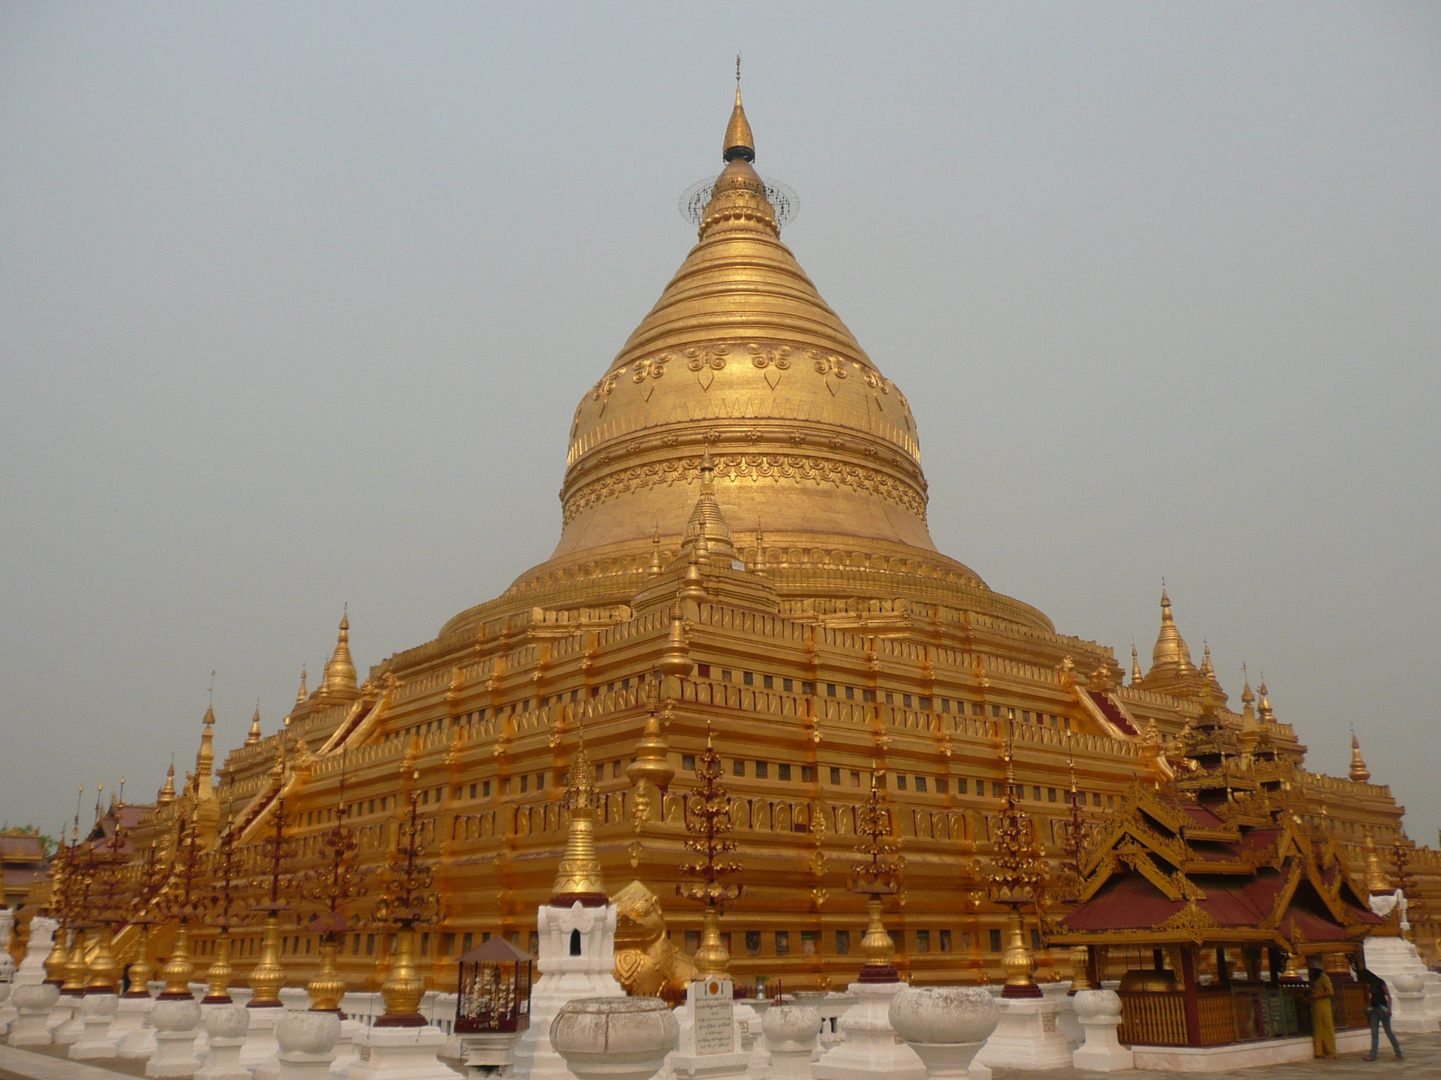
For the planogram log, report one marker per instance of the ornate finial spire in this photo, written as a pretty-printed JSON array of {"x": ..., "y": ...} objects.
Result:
[
  {"x": 708, "y": 826},
  {"x": 1135, "y": 666},
  {"x": 340, "y": 669},
  {"x": 652, "y": 754},
  {"x": 254, "y": 736},
  {"x": 1206, "y": 668},
  {"x": 167, "y": 793},
  {"x": 579, "y": 877},
  {"x": 1264, "y": 708},
  {"x": 205, "y": 757},
  {"x": 1359, "y": 772},
  {"x": 739, "y": 142},
  {"x": 301, "y": 695},
  {"x": 1171, "y": 656},
  {"x": 655, "y": 566}
]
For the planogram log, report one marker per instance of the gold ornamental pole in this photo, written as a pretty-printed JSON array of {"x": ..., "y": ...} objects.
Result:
[
  {"x": 708, "y": 827},
  {"x": 876, "y": 875},
  {"x": 268, "y": 976},
  {"x": 221, "y": 902},
  {"x": 406, "y": 900},
  {"x": 331, "y": 886},
  {"x": 1017, "y": 876}
]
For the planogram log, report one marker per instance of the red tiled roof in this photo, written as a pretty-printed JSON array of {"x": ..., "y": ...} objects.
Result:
[{"x": 1123, "y": 903}]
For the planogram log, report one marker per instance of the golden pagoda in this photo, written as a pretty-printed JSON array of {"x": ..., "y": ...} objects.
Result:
[{"x": 744, "y": 551}]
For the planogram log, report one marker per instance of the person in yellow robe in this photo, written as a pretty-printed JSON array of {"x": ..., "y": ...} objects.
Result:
[{"x": 1323, "y": 1026}]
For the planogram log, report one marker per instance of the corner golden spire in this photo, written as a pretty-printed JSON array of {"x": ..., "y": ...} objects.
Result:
[
  {"x": 301, "y": 694},
  {"x": 1359, "y": 772},
  {"x": 1171, "y": 652},
  {"x": 578, "y": 879},
  {"x": 340, "y": 669},
  {"x": 167, "y": 793},
  {"x": 254, "y": 736},
  {"x": 739, "y": 142}
]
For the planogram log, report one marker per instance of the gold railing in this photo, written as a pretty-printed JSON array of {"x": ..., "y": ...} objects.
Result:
[
  {"x": 1217, "y": 1013},
  {"x": 1153, "y": 1018}
]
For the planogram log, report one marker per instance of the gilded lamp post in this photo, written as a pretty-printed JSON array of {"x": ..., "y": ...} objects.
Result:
[
  {"x": 708, "y": 826},
  {"x": 406, "y": 900},
  {"x": 181, "y": 901},
  {"x": 150, "y": 879},
  {"x": 1017, "y": 876},
  {"x": 62, "y": 904},
  {"x": 276, "y": 855},
  {"x": 876, "y": 875},
  {"x": 222, "y": 900},
  {"x": 331, "y": 886}
]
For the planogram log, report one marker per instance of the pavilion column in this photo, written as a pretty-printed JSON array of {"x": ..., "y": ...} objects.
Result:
[{"x": 1193, "y": 1007}]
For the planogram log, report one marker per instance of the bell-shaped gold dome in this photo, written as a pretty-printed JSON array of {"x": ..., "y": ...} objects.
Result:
[
  {"x": 742, "y": 385},
  {"x": 741, "y": 356}
]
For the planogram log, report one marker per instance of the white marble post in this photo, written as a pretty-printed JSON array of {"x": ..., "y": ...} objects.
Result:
[
  {"x": 33, "y": 1001},
  {"x": 871, "y": 1049},
  {"x": 175, "y": 1020},
  {"x": 226, "y": 1025},
  {"x": 7, "y": 970},
  {"x": 565, "y": 976},
  {"x": 130, "y": 1013},
  {"x": 1100, "y": 1014},
  {"x": 1027, "y": 1036},
  {"x": 399, "y": 1053},
  {"x": 260, "y": 1054},
  {"x": 97, "y": 1013},
  {"x": 790, "y": 1033},
  {"x": 72, "y": 1024},
  {"x": 42, "y": 940}
]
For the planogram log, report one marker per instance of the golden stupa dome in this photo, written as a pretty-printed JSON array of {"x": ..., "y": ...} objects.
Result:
[
  {"x": 743, "y": 388},
  {"x": 742, "y": 356}
]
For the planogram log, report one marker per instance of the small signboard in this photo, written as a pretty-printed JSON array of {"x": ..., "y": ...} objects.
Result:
[{"x": 713, "y": 1011}]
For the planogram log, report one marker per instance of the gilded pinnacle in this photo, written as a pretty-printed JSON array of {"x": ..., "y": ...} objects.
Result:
[{"x": 579, "y": 876}]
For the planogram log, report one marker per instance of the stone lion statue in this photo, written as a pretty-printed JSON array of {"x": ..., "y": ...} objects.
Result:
[{"x": 647, "y": 964}]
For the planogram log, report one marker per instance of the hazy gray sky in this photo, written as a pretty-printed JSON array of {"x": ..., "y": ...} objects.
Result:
[{"x": 296, "y": 302}]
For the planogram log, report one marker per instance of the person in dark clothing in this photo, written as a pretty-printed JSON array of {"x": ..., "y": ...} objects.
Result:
[{"x": 1378, "y": 1011}]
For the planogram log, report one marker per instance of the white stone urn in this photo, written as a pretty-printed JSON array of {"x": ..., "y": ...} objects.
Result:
[
  {"x": 304, "y": 1032},
  {"x": 945, "y": 1025},
  {"x": 307, "y": 1044},
  {"x": 1408, "y": 1007},
  {"x": 226, "y": 1025},
  {"x": 614, "y": 1038},
  {"x": 33, "y": 1002},
  {"x": 1099, "y": 1012},
  {"x": 175, "y": 1021},
  {"x": 790, "y": 1033},
  {"x": 97, "y": 1012}
]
